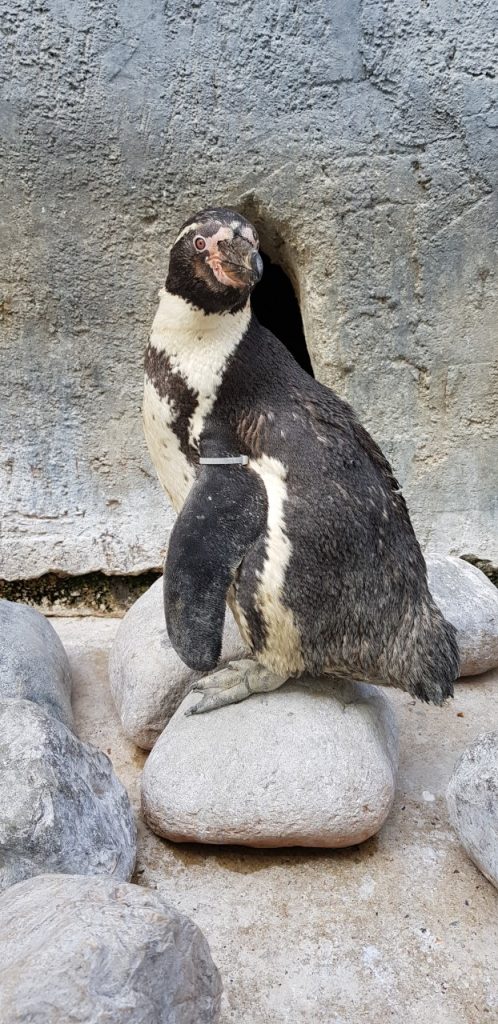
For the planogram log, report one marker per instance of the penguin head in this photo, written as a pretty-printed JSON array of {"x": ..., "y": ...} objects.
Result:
[{"x": 214, "y": 263}]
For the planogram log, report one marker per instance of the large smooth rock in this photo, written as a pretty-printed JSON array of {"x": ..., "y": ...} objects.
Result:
[
  {"x": 311, "y": 764},
  {"x": 473, "y": 803},
  {"x": 33, "y": 662},
  {"x": 148, "y": 679},
  {"x": 61, "y": 806},
  {"x": 94, "y": 951},
  {"x": 470, "y": 601}
]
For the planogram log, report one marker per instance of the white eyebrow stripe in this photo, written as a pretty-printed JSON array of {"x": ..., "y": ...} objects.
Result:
[
  {"x": 223, "y": 232},
  {"x": 245, "y": 231},
  {"x": 249, "y": 234},
  {"x": 190, "y": 227}
]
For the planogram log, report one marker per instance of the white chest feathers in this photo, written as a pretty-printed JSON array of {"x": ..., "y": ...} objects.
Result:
[{"x": 195, "y": 348}]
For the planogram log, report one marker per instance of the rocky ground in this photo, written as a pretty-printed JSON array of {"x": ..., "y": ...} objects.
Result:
[{"x": 403, "y": 927}]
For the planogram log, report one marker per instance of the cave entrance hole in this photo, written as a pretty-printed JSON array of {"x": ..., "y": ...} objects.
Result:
[{"x": 275, "y": 305}]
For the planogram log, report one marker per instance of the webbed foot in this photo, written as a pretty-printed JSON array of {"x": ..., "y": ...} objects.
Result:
[{"x": 232, "y": 684}]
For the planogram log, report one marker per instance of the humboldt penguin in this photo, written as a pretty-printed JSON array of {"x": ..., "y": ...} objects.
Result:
[{"x": 287, "y": 509}]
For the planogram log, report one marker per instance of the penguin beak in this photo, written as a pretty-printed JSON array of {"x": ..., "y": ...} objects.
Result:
[
  {"x": 256, "y": 266},
  {"x": 239, "y": 262}
]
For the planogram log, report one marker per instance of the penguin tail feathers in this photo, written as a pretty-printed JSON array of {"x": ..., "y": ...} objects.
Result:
[{"x": 436, "y": 662}]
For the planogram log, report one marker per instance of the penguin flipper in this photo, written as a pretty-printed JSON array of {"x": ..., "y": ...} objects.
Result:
[{"x": 223, "y": 515}]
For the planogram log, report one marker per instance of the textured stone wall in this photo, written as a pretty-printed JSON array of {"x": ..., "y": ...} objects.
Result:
[{"x": 361, "y": 136}]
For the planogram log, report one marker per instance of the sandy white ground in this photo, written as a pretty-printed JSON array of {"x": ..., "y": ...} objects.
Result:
[{"x": 403, "y": 928}]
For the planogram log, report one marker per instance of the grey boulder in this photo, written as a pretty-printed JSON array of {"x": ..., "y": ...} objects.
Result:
[
  {"x": 33, "y": 662},
  {"x": 470, "y": 601},
  {"x": 61, "y": 806},
  {"x": 94, "y": 950},
  {"x": 473, "y": 803},
  {"x": 148, "y": 679},
  {"x": 311, "y": 764}
]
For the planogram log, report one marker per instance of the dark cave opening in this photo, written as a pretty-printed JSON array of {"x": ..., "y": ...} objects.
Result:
[{"x": 275, "y": 304}]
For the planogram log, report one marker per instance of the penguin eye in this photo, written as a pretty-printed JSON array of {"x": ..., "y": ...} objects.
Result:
[{"x": 200, "y": 243}]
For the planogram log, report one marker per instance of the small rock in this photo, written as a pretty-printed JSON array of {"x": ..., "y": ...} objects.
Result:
[
  {"x": 148, "y": 679},
  {"x": 473, "y": 803},
  {"x": 95, "y": 950},
  {"x": 61, "y": 806},
  {"x": 470, "y": 601},
  {"x": 33, "y": 662},
  {"x": 311, "y": 764}
]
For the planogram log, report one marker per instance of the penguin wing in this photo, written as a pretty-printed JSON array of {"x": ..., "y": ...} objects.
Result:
[{"x": 223, "y": 515}]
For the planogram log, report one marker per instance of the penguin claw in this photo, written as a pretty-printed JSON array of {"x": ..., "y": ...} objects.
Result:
[
  {"x": 231, "y": 685},
  {"x": 212, "y": 684},
  {"x": 192, "y": 711},
  {"x": 228, "y": 686},
  {"x": 210, "y": 701},
  {"x": 219, "y": 698}
]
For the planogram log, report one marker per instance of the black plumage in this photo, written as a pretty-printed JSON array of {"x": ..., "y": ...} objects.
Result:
[{"x": 353, "y": 596}]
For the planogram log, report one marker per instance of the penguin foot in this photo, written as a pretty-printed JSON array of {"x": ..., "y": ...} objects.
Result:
[{"x": 232, "y": 684}]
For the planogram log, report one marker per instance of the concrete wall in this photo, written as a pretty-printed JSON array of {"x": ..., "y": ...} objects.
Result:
[{"x": 361, "y": 135}]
